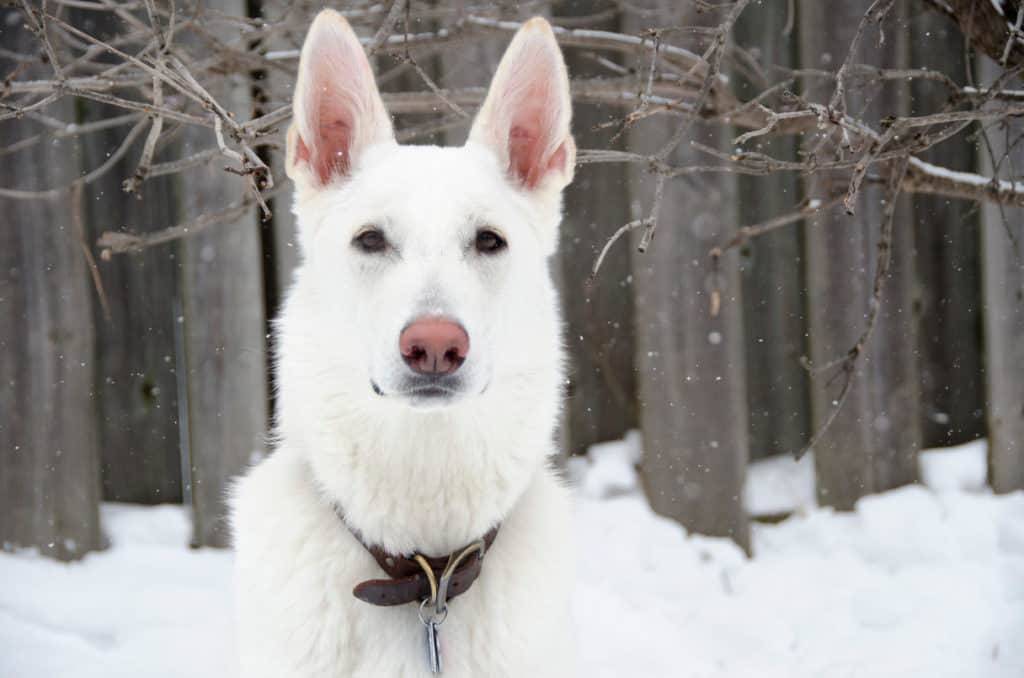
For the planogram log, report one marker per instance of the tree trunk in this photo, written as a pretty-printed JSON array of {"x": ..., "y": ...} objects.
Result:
[
  {"x": 49, "y": 460},
  {"x": 948, "y": 262},
  {"x": 601, "y": 390},
  {"x": 692, "y": 389},
  {"x": 873, "y": 443},
  {"x": 136, "y": 384},
  {"x": 1002, "y": 242},
  {"x": 224, "y": 345},
  {"x": 770, "y": 266}
]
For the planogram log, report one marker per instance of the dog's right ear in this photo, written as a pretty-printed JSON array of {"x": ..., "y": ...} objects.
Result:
[{"x": 337, "y": 111}]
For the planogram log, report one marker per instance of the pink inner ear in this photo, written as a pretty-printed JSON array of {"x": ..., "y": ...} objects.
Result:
[
  {"x": 530, "y": 109},
  {"x": 336, "y": 97},
  {"x": 523, "y": 149},
  {"x": 525, "y": 159},
  {"x": 558, "y": 159},
  {"x": 331, "y": 111},
  {"x": 333, "y": 150}
]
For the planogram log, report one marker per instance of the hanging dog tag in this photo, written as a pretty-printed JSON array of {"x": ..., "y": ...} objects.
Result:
[{"x": 433, "y": 646}]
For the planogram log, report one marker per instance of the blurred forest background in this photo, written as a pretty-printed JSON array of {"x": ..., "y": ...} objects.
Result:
[{"x": 795, "y": 225}]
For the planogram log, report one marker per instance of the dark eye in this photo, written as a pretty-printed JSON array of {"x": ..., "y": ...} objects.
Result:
[
  {"x": 371, "y": 241},
  {"x": 489, "y": 242}
]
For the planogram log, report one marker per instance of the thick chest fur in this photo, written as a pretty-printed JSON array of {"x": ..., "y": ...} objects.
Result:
[{"x": 296, "y": 566}]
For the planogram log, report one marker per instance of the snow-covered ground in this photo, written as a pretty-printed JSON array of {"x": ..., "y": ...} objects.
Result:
[{"x": 921, "y": 581}]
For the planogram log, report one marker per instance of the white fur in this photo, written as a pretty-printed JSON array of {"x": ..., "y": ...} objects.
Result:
[{"x": 413, "y": 476}]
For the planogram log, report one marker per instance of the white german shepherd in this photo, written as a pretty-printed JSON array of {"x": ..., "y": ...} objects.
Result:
[{"x": 420, "y": 367}]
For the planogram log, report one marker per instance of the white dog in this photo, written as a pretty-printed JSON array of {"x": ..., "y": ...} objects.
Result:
[{"x": 420, "y": 368}]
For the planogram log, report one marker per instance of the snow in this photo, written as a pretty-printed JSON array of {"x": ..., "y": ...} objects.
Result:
[
  {"x": 782, "y": 485},
  {"x": 779, "y": 484},
  {"x": 1003, "y": 93},
  {"x": 975, "y": 180},
  {"x": 915, "y": 582},
  {"x": 607, "y": 469},
  {"x": 922, "y": 581},
  {"x": 956, "y": 468},
  {"x": 148, "y": 606}
]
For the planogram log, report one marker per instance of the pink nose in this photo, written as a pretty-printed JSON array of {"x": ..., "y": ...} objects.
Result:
[{"x": 434, "y": 345}]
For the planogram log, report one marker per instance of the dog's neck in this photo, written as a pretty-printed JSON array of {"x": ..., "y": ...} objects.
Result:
[{"x": 427, "y": 483}]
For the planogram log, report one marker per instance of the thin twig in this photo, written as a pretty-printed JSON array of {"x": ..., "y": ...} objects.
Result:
[
  {"x": 78, "y": 224},
  {"x": 386, "y": 26},
  {"x": 156, "y": 126},
  {"x": 116, "y": 242}
]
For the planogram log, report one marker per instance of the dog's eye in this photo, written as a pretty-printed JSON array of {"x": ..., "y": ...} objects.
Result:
[
  {"x": 489, "y": 242},
  {"x": 370, "y": 241}
]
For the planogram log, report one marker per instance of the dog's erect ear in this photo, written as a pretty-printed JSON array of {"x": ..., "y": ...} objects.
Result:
[
  {"x": 337, "y": 111},
  {"x": 525, "y": 117}
]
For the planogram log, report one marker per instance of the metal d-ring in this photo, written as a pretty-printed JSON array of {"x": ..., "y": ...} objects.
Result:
[
  {"x": 479, "y": 547},
  {"x": 435, "y": 617},
  {"x": 438, "y": 599}
]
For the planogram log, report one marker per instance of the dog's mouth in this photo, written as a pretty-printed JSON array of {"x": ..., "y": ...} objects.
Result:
[{"x": 425, "y": 391}]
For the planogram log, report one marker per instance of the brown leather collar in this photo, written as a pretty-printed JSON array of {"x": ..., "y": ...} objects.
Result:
[{"x": 408, "y": 582}]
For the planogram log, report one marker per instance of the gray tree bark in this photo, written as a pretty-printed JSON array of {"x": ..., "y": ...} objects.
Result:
[
  {"x": 692, "y": 386},
  {"x": 771, "y": 266},
  {"x": 601, "y": 392},
  {"x": 224, "y": 331},
  {"x": 136, "y": 384},
  {"x": 873, "y": 443},
  {"x": 948, "y": 262},
  {"x": 49, "y": 458},
  {"x": 1002, "y": 243}
]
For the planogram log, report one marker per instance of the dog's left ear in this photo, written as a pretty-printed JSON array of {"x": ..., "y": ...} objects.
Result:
[{"x": 525, "y": 117}]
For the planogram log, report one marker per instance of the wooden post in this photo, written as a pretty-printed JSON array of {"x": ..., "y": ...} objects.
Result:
[
  {"x": 692, "y": 386},
  {"x": 771, "y": 267},
  {"x": 224, "y": 342},
  {"x": 1002, "y": 242},
  {"x": 136, "y": 384},
  {"x": 873, "y": 444},
  {"x": 948, "y": 262},
  {"x": 601, "y": 393},
  {"x": 49, "y": 462}
]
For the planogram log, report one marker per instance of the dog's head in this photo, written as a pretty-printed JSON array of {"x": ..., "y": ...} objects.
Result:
[{"x": 426, "y": 267}]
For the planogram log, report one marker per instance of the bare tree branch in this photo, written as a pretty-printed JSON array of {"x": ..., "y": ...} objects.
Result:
[{"x": 153, "y": 74}]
